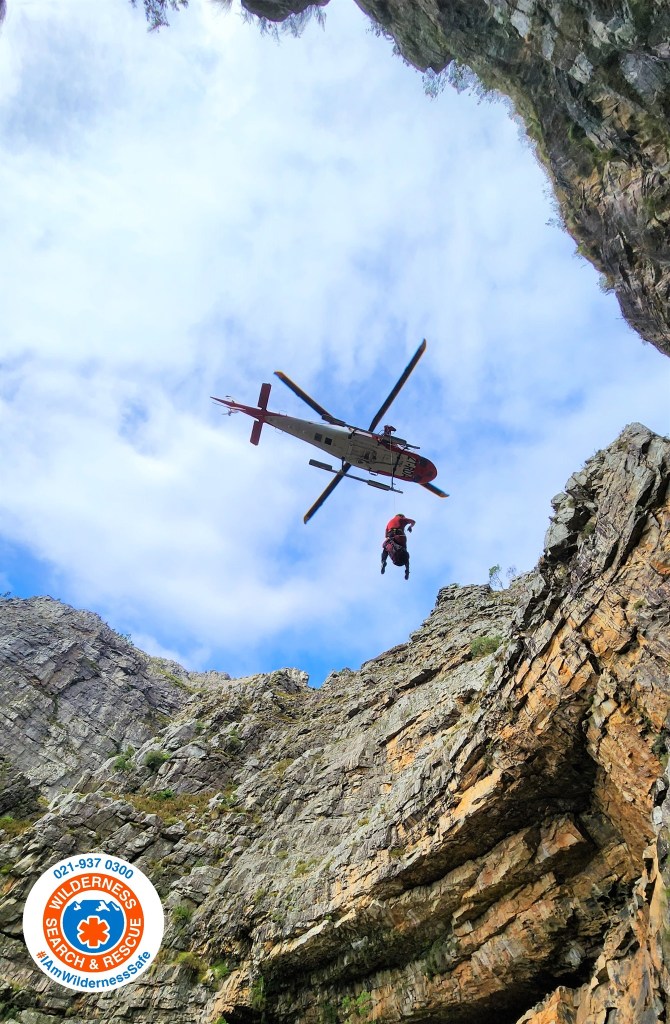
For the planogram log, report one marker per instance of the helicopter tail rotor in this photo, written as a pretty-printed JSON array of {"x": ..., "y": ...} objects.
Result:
[{"x": 262, "y": 405}]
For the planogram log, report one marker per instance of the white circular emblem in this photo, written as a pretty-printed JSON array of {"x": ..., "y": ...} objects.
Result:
[{"x": 93, "y": 922}]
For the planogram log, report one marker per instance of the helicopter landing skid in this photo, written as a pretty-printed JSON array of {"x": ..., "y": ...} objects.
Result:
[{"x": 338, "y": 472}]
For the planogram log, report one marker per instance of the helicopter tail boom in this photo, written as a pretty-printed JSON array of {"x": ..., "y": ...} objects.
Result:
[{"x": 259, "y": 414}]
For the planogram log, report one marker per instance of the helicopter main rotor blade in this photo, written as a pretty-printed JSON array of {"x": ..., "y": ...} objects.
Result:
[
  {"x": 403, "y": 379},
  {"x": 435, "y": 490},
  {"x": 323, "y": 413},
  {"x": 327, "y": 493}
]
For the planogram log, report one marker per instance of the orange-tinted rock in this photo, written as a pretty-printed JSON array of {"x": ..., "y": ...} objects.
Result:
[{"x": 439, "y": 837}]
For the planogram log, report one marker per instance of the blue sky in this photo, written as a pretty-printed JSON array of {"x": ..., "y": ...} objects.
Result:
[{"x": 185, "y": 212}]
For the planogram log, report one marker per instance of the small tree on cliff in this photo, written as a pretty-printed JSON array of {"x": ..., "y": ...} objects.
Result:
[{"x": 156, "y": 11}]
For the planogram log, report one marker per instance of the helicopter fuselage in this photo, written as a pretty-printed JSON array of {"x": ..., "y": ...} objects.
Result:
[{"x": 375, "y": 453}]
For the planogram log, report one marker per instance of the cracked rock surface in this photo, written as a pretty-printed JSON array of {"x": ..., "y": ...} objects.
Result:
[
  {"x": 472, "y": 827},
  {"x": 65, "y": 703},
  {"x": 591, "y": 81}
]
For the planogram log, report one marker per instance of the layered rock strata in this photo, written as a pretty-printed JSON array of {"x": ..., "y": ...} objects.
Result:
[
  {"x": 65, "y": 702},
  {"x": 591, "y": 81},
  {"x": 472, "y": 827}
]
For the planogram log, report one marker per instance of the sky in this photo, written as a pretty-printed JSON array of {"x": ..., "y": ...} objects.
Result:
[{"x": 183, "y": 213}]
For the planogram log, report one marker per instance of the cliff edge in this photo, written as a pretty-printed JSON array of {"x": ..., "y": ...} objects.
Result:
[{"x": 591, "y": 82}]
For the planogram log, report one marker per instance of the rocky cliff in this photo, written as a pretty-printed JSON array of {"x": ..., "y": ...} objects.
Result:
[
  {"x": 473, "y": 827},
  {"x": 591, "y": 81},
  {"x": 66, "y": 701}
]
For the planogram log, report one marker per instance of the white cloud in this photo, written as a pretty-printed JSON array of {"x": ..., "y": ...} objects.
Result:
[{"x": 186, "y": 212}]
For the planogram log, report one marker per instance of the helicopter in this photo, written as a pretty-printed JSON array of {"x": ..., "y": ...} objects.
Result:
[{"x": 377, "y": 454}]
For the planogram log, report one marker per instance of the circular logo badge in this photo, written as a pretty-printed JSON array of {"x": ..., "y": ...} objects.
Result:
[{"x": 93, "y": 922}]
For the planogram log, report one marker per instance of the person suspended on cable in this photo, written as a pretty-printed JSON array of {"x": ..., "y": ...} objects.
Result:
[
  {"x": 396, "y": 526},
  {"x": 395, "y": 542}
]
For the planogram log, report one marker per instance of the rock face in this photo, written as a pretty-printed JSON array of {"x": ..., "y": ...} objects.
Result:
[
  {"x": 65, "y": 701},
  {"x": 591, "y": 81},
  {"x": 473, "y": 827}
]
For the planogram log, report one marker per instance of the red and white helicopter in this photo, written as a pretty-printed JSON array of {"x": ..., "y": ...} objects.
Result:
[{"x": 378, "y": 454}]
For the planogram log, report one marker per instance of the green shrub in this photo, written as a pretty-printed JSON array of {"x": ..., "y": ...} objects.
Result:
[
  {"x": 193, "y": 963},
  {"x": 190, "y": 808},
  {"x": 155, "y": 758},
  {"x": 123, "y": 763},
  {"x": 156, "y": 10},
  {"x": 11, "y": 826},
  {"x": 220, "y": 970},
  {"x": 495, "y": 579},
  {"x": 482, "y": 645},
  {"x": 181, "y": 914},
  {"x": 303, "y": 866},
  {"x": 356, "y": 1008},
  {"x": 233, "y": 741},
  {"x": 258, "y": 993}
]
